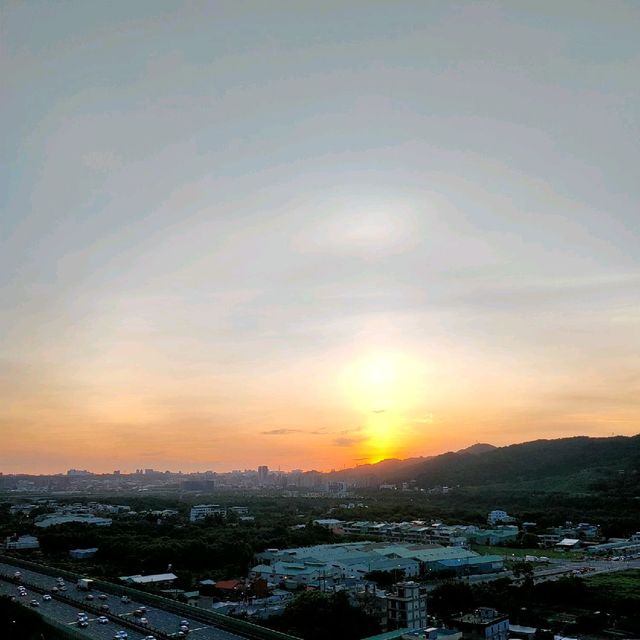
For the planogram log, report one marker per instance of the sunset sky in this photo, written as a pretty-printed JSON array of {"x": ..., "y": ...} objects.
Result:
[{"x": 314, "y": 234}]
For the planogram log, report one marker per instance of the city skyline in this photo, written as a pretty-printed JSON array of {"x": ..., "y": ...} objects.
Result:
[{"x": 318, "y": 236}]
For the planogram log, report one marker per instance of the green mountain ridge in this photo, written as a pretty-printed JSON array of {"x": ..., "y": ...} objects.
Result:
[{"x": 571, "y": 464}]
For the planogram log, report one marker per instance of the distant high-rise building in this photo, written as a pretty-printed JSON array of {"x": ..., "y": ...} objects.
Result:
[{"x": 263, "y": 473}]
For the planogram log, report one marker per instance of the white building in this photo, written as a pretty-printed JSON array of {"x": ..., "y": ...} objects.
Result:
[
  {"x": 497, "y": 515},
  {"x": 80, "y": 518},
  {"x": 155, "y": 580},
  {"x": 23, "y": 542},
  {"x": 484, "y": 622},
  {"x": 201, "y": 511},
  {"x": 407, "y": 606}
]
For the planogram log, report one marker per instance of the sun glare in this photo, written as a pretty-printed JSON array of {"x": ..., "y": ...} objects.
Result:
[{"x": 384, "y": 388}]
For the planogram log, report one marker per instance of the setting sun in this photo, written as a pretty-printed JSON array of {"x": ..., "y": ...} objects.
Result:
[{"x": 385, "y": 389}]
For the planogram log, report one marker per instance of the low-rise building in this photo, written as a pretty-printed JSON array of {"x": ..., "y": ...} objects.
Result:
[
  {"x": 83, "y": 554},
  {"x": 482, "y": 624},
  {"x": 158, "y": 580},
  {"x": 569, "y": 544},
  {"x": 498, "y": 516},
  {"x": 433, "y": 633},
  {"x": 202, "y": 511},
  {"x": 355, "y": 559},
  {"x": 630, "y": 547},
  {"x": 25, "y": 509},
  {"x": 72, "y": 518},
  {"x": 474, "y": 565},
  {"x": 407, "y": 606},
  {"x": 21, "y": 543},
  {"x": 497, "y": 536}
]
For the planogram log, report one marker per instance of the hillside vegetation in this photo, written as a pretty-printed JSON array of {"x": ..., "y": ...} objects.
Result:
[{"x": 570, "y": 464}]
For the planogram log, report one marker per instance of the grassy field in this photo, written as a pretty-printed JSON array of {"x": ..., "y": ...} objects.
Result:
[
  {"x": 520, "y": 553},
  {"x": 621, "y": 584}
]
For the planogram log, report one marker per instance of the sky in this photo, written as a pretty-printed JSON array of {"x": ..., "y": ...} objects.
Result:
[{"x": 314, "y": 234}]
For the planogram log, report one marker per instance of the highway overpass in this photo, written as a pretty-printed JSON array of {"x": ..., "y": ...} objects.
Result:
[{"x": 164, "y": 616}]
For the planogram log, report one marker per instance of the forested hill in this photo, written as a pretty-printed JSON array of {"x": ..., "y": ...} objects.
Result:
[
  {"x": 579, "y": 463},
  {"x": 392, "y": 467}
]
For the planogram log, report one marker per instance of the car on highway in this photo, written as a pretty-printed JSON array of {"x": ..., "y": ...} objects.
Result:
[
  {"x": 46, "y": 597},
  {"x": 88, "y": 597},
  {"x": 103, "y": 596},
  {"x": 103, "y": 620},
  {"x": 34, "y": 603},
  {"x": 83, "y": 623},
  {"x": 120, "y": 635},
  {"x": 143, "y": 621},
  {"x": 149, "y": 638},
  {"x": 125, "y": 600},
  {"x": 184, "y": 623}
]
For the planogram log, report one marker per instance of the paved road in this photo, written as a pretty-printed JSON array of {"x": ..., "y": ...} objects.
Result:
[
  {"x": 165, "y": 621},
  {"x": 558, "y": 568},
  {"x": 583, "y": 568},
  {"x": 67, "y": 614}
]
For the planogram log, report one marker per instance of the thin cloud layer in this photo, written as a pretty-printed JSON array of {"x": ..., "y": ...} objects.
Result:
[{"x": 230, "y": 230}]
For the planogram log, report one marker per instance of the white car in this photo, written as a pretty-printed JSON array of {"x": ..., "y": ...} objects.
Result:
[
  {"x": 184, "y": 623},
  {"x": 144, "y": 621},
  {"x": 46, "y": 597},
  {"x": 103, "y": 620},
  {"x": 34, "y": 603}
]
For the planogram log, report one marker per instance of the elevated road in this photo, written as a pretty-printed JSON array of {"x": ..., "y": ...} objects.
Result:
[{"x": 162, "y": 617}]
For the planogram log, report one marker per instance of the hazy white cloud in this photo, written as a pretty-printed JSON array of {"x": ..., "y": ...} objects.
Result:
[{"x": 210, "y": 213}]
